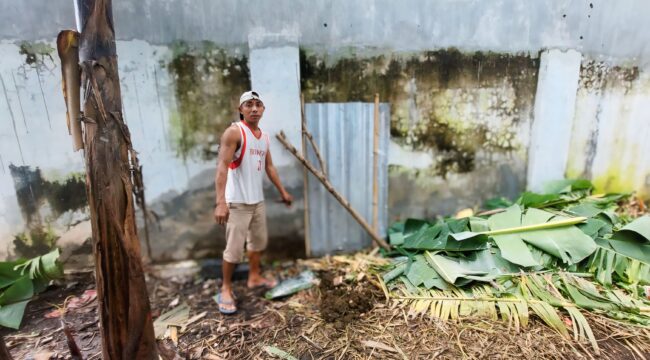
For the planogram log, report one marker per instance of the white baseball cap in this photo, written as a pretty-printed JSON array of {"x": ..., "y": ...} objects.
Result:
[{"x": 249, "y": 95}]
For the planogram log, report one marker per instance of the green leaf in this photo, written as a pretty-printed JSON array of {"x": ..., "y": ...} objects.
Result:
[
  {"x": 451, "y": 270},
  {"x": 586, "y": 209},
  {"x": 478, "y": 225},
  {"x": 395, "y": 272},
  {"x": 640, "y": 227},
  {"x": 413, "y": 225},
  {"x": 44, "y": 267},
  {"x": 481, "y": 265},
  {"x": 421, "y": 273},
  {"x": 396, "y": 238},
  {"x": 530, "y": 199},
  {"x": 21, "y": 289},
  {"x": 12, "y": 315},
  {"x": 437, "y": 237},
  {"x": 19, "y": 281},
  {"x": 8, "y": 275},
  {"x": 13, "y": 301},
  {"x": 592, "y": 227},
  {"x": 512, "y": 246},
  {"x": 566, "y": 185},
  {"x": 497, "y": 203},
  {"x": 617, "y": 260},
  {"x": 567, "y": 243}
]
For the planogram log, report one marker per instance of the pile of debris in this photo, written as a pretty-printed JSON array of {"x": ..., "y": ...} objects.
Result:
[
  {"x": 558, "y": 254},
  {"x": 560, "y": 275}
]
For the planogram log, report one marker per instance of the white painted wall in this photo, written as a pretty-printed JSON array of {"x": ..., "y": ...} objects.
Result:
[
  {"x": 605, "y": 131},
  {"x": 557, "y": 85},
  {"x": 275, "y": 74},
  {"x": 614, "y": 29}
]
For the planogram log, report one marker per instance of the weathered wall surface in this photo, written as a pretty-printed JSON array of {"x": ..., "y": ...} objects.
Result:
[
  {"x": 611, "y": 127},
  {"x": 616, "y": 29},
  {"x": 177, "y": 100},
  {"x": 462, "y": 79},
  {"x": 459, "y": 122}
]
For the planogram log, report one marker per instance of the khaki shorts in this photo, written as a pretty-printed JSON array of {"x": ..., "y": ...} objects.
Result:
[{"x": 246, "y": 224}]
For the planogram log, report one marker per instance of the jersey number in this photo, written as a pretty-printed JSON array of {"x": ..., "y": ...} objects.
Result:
[{"x": 259, "y": 165}]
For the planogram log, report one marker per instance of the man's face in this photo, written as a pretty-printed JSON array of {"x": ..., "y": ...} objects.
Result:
[{"x": 252, "y": 110}]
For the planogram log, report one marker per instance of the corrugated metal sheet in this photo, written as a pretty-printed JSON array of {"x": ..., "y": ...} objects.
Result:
[{"x": 344, "y": 134}]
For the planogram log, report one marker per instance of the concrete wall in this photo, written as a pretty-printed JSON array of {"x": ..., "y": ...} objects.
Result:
[{"x": 463, "y": 80}]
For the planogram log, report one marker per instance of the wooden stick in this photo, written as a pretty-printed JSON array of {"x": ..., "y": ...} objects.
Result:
[
  {"x": 345, "y": 203},
  {"x": 306, "y": 133},
  {"x": 305, "y": 177},
  {"x": 375, "y": 170}
]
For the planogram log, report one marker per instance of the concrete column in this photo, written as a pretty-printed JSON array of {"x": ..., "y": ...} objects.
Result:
[
  {"x": 555, "y": 100},
  {"x": 275, "y": 74}
]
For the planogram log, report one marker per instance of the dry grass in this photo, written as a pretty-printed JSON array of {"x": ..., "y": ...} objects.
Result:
[{"x": 295, "y": 325}]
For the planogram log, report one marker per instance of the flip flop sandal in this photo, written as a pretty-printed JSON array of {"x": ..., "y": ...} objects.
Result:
[
  {"x": 222, "y": 302},
  {"x": 266, "y": 286}
]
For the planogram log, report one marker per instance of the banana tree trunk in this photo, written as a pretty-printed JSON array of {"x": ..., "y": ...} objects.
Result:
[{"x": 111, "y": 165}]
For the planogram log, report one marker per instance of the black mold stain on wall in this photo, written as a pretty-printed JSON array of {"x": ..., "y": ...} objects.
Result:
[
  {"x": 425, "y": 91},
  {"x": 207, "y": 85},
  {"x": 596, "y": 76},
  {"x": 33, "y": 192}
]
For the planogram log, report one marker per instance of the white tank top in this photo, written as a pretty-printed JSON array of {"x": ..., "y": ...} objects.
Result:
[{"x": 247, "y": 169}]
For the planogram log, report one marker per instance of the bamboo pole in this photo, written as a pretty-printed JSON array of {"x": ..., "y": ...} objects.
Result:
[
  {"x": 345, "y": 203},
  {"x": 375, "y": 164},
  {"x": 305, "y": 176},
  {"x": 310, "y": 137}
]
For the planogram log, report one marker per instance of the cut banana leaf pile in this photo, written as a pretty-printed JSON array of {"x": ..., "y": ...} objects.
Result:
[
  {"x": 557, "y": 254},
  {"x": 20, "y": 280}
]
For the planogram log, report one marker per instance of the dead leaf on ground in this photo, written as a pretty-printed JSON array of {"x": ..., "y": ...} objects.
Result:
[{"x": 378, "y": 345}]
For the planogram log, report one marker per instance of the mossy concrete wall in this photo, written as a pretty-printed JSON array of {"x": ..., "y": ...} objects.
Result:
[
  {"x": 177, "y": 100},
  {"x": 460, "y": 122},
  {"x": 460, "y": 77}
]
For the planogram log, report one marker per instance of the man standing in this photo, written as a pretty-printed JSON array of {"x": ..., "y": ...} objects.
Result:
[{"x": 244, "y": 156}]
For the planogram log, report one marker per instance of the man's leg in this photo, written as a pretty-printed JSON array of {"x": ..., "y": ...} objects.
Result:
[
  {"x": 228, "y": 269},
  {"x": 236, "y": 231},
  {"x": 254, "y": 268},
  {"x": 257, "y": 241}
]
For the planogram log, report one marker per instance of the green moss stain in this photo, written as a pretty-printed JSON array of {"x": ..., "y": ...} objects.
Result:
[
  {"x": 36, "y": 53},
  {"x": 37, "y": 241},
  {"x": 448, "y": 102},
  {"x": 613, "y": 171},
  {"x": 34, "y": 194},
  {"x": 207, "y": 84}
]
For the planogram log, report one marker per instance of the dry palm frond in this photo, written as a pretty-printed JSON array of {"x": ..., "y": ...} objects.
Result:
[{"x": 550, "y": 296}]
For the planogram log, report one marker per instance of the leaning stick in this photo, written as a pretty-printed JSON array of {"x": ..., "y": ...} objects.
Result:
[
  {"x": 309, "y": 136},
  {"x": 375, "y": 162},
  {"x": 305, "y": 177},
  {"x": 345, "y": 203}
]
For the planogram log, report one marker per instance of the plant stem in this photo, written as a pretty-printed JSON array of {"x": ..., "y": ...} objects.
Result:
[{"x": 543, "y": 226}]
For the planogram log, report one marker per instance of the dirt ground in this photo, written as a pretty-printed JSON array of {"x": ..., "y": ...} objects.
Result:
[{"x": 344, "y": 317}]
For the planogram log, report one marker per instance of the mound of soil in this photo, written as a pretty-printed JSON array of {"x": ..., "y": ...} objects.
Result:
[{"x": 343, "y": 303}]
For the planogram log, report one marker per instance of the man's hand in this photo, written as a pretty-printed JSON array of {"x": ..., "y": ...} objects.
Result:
[
  {"x": 221, "y": 214},
  {"x": 287, "y": 198}
]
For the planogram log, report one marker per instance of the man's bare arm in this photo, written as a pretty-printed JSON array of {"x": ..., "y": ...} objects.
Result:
[
  {"x": 229, "y": 143},
  {"x": 272, "y": 173}
]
